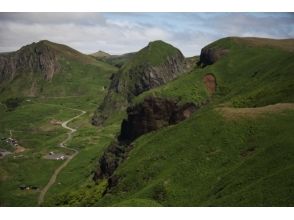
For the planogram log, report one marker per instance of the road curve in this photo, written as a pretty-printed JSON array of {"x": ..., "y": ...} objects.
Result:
[{"x": 62, "y": 144}]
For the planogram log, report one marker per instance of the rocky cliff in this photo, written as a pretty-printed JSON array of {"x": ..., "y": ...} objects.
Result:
[
  {"x": 154, "y": 65},
  {"x": 37, "y": 57},
  {"x": 150, "y": 115},
  {"x": 209, "y": 55},
  {"x": 40, "y": 58}
]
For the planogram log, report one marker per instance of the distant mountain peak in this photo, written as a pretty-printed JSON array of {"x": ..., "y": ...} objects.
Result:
[{"x": 100, "y": 54}]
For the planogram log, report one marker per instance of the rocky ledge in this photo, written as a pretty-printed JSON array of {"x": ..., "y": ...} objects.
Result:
[
  {"x": 211, "y": 55},
  {"x": 152, "y": 114}
]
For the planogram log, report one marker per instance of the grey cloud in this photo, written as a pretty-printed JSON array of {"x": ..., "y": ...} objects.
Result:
[
  {"x": 125, "y": 32},
  {"x": 54, "y": 18}
]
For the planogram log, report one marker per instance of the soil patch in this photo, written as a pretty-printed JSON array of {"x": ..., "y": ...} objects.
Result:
[
  {"x": 210, "y": 83},
  {"x": 232, "y": 113},
  {"x": 55, "y": 122},
  {"x": 19, "y": 149}
]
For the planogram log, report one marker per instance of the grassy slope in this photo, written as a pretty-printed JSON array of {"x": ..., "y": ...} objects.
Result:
[
  {"x": 209, "y": 160},
  {"x": 31, "y": 127},
  {"x": 80, "y": 85},
  {"x": 130, "y": 74},
  {"x": 249, "y": 75},
  {"x": 80, "y": 75},
  {"x": 154, "y": 54},
  {"x": 119, "y": 60}
]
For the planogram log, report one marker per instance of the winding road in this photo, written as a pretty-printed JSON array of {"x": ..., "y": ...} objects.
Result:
[{"x": 62, "y": 145}]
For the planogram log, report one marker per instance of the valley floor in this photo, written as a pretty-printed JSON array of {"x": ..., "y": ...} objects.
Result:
[{"x": 43, "y": 127}]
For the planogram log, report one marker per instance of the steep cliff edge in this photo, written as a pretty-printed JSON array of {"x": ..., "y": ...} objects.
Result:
[
  {"x": 150, "y": 115},
  {"x": 154, "y": 65}
]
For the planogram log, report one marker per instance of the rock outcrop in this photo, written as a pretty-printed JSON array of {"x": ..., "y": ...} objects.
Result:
[
  {"x": 37, "y": 57},
  {"x": 152, "y": 114},
  {"x": 210, "y": 55},
  {"x": 141, "y": 73},
  {"x": 111, "y": 158}
]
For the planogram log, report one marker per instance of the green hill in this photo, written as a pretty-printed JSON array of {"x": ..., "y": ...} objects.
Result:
[
  {"x": 246, "y": 76},
  {"x": 154, "y": 65},
  {"x": 225, "y": 154},
  {"x": 100, "y": 54},
  {"x": 41, "y": 85},
  {"x": 49, "y": 69},
  {"x": 224, "y": 127}
]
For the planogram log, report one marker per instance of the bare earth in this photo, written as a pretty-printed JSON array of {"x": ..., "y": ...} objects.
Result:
[
  {"x": 19, "y": 149},
  {"x": 234, "y": 113}
]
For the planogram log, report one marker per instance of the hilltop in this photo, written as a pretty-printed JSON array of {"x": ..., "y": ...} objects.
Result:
[
  {"x": 152, "y": 66},
  {"x": 44, "y": 68},
  {"x": 100, "y": 54},
  {"x": 233, "y": 151}
]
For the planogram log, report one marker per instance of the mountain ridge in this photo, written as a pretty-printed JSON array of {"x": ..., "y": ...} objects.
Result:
[{"x": 154, "y": 65}]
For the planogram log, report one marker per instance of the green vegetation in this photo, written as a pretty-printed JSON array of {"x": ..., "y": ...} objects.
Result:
[
  {"x": 248, "y": 76},
  {"x": 210, "y": 161},
  {"x": 77, "y": 176},
  {"x": 30, "y": 125},
  {"x": 119, "y": 60},
  {"x": 80, "y": 84},
  {"x": 13, "y": 103},
  {"x": 154, "y": 54},
  {"x": 186, "y": 88},
  {"x": 86, "y": 195}
]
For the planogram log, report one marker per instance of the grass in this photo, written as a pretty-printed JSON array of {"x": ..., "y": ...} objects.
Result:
[
  {"x": 27, "y": 122},
  {"x": 206, "y": 160},
  {"x": 211, "y": 162},
  {"x": 154, "y": 54},
  {"x": 80, "y": 84},
  {"x": 34, "y": 132},
  {"x": 77, "y": 176},
  {"x": 247, "y": 77},
  {"x": 186, "y": 88},
  {"x": 74, "y": 79}
]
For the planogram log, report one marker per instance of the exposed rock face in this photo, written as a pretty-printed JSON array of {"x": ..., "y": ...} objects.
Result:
[
  {"x": 152, "y": 114},
  {"x": 110, "y": 160},
  {"x": 37, "y": 57},
  {"x": 210, "y": 55},
  {"x": 132, "y": 80}
]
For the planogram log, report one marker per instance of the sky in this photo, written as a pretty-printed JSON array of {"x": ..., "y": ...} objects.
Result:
[{"x": 118, "y": 33}]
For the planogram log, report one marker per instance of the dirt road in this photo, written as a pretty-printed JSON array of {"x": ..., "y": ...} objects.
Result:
[{"x": 62, "y": 144}]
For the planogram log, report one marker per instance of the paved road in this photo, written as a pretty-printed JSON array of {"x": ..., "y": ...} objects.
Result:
[{"x": 62, "y": 144}]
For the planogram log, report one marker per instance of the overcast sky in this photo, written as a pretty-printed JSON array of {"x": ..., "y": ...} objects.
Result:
[{"x": 118, "y": 33}]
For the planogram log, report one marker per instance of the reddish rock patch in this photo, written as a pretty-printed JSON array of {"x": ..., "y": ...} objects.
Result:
[{"x": 210, "y": 83}]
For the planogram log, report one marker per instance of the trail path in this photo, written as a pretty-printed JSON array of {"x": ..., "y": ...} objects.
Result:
[
  {"x": 234, "y": 113},
  {"x": 62, "y": 144}
]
